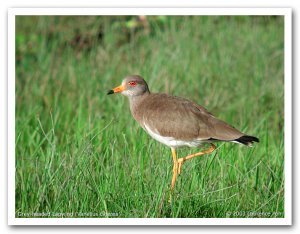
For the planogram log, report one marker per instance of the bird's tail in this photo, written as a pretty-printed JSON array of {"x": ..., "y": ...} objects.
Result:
[{"x": 247, "y": 140}]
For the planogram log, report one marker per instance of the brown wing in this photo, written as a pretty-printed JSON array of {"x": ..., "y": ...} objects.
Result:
[{"x": 182, "y": 119}]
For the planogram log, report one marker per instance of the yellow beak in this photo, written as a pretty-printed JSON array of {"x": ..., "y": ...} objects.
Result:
[{"x": 116, "y": 90}]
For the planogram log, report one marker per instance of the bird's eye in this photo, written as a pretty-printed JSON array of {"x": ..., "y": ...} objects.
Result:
[{"x": 132, "y": 83}]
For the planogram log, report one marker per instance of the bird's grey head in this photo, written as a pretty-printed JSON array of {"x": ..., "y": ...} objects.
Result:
[{"x": 131, "y": 86}]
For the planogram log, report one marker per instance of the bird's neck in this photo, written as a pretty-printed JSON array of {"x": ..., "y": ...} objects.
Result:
[{"x": 136, "y": 101}]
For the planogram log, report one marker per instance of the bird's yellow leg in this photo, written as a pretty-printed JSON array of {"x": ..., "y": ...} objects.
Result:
[
  {"x": 175, "y": 168},
  {"x": 182, "y": 160},
  {"x": 175, "y": 171}
]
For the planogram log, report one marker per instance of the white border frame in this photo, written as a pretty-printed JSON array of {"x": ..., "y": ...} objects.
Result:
[{"x": 286, "y": 12}]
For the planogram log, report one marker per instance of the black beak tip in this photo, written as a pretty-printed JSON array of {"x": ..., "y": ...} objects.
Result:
[{"x": 110, "y": 92}]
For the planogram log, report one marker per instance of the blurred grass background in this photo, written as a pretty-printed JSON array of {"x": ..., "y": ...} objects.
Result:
[{"x": 80, "y": 151}]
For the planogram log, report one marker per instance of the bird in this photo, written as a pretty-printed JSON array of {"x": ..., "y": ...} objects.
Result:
[{"x": 177, "y": 122}]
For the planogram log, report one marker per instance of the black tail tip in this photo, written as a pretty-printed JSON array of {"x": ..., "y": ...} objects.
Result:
[{"x": 247, "y": 140}]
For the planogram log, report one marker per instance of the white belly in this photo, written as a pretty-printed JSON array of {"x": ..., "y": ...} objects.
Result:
[{"x": 170, "y": 141}]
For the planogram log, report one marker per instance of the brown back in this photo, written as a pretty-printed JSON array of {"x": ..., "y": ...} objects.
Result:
[{"x": 180, "y": 118}]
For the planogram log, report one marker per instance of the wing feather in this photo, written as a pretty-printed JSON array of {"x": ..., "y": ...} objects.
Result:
[{"x": 180, "y": 118}]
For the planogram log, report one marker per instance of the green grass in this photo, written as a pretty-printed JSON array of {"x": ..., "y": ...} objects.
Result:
[{"x": 80, "y": 151}]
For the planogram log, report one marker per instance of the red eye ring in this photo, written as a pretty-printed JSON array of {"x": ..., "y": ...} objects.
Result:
[{"x": 132, "y": 83}]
